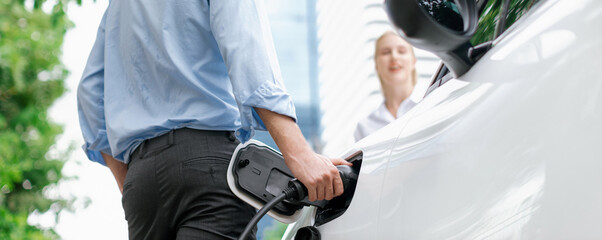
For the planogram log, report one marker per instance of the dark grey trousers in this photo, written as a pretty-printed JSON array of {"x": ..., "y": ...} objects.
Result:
[{"x": 176, "y": 188}]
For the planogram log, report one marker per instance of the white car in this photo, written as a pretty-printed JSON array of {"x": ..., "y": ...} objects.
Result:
[{"x": 506, "y": 146}]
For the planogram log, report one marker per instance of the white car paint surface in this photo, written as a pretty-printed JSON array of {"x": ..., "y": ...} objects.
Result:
[{"x": 512, "y": 149}]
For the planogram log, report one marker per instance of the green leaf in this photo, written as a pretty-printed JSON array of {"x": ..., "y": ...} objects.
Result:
[{"x": 30, "y": 44}]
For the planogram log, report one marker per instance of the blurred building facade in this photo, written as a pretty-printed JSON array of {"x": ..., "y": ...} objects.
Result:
[
  {"x": 348, "y": 85},
  {"x": 293, "y": 30},
  {"x": 325, "y": 50}
]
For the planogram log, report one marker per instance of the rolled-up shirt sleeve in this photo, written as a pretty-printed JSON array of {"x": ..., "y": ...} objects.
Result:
[
  {"x": 242, "y": 32},
  {"x": 90, "y": 102}
]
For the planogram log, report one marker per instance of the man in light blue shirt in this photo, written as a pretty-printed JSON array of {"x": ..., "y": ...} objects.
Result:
[{"x": 168, "y": 88}]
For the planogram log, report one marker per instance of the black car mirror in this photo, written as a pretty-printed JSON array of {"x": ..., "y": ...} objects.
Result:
[{"x": 443, "y": 27}]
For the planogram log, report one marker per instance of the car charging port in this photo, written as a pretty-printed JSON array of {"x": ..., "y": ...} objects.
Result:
[
  {"x": 259, "y": 172},
  {"x": 297, "y": 193}
]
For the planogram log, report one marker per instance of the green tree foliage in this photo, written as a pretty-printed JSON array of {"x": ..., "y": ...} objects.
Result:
[
  {"x": 491, "y": 14},
  {"x": 275, "y": 232},
  {"x": 31, "y": 79}
]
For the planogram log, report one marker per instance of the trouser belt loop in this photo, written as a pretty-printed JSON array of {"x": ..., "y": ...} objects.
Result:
[
  {"x": 170, "y": 137},
  {"x": 141, "y": 148},
  {"x": 170, "y": 140},
  {"x": 231, "y": 136}
]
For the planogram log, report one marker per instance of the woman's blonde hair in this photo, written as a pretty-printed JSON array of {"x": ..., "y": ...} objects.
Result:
[{"x": 389, "y": 32}]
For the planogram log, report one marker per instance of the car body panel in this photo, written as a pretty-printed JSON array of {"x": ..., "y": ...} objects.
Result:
[{"x": 511, "y": 149}]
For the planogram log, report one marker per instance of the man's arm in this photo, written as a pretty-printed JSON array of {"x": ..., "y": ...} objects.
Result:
[
  {"x": 90, "y": 101},
  {"x": 316, "y": 172},
  {"x": 259, "y": 86},
  {"x": 118, "y": 168}
]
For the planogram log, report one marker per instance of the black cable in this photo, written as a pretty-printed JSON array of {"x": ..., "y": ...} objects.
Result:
[
  {"x": 294, "y": 192},
  {"x": 288, "y": 193}
]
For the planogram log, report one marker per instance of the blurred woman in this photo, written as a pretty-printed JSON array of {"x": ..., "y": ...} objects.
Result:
[{"x": 395, "y": 64}]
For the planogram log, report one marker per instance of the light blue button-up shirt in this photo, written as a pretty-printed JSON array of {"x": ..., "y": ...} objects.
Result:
[{"x": 162, "y": 65}]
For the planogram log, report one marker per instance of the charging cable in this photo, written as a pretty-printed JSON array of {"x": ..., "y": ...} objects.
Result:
[{"x": 294, "y": 192}]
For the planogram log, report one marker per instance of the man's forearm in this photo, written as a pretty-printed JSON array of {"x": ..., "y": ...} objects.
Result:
[
  {"x": 285, "y": 132},
  {"x": 118, "y": 168},
  {"x": 316, "y": 172}
]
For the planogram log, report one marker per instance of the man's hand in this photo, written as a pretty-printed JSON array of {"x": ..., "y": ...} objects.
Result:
[{"x": 316, "y": 172}]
